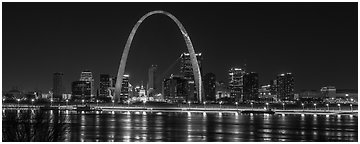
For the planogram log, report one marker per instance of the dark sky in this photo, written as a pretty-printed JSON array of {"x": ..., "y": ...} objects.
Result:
[{"x": 315, "y": 41}]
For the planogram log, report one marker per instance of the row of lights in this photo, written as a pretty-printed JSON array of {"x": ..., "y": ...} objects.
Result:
[{"x": 144, "y": 102}]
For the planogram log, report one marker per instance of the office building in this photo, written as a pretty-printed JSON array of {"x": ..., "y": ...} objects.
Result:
[
  {"x": 151, "y": 87},
  {"x": 188, "y": 74},
  {"x": 285, "y": 86},
  {"x": 124, "y": 95},
  {"x": 250, "y": 87},
  {"x": 81, "y": 90},
  {"x": 174, "y": 89},
  {"x": 236, "y": 84},
  {"x": 58, "y": 86},
  {"x": 87, "y": 76},
  {"x": 209, "y": 87}
]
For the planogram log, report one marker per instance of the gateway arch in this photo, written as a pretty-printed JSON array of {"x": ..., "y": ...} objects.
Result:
[{"x": 194, "y": 62}]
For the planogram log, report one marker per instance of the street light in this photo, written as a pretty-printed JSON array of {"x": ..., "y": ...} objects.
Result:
[
  {"x": 18, "y": 100},
  {"x": 220, "y": 104},
  {"x": 303, "y": 106},
  {"x": 97, "y": 102},
  {"x": 144, "y": 104},
  {"x": 237, "y": 108},
  {"x": 128, "y": 103},
  {"x": 283, "y": 106},
  {"x": 204, "y": 105},
  {"x": 113, "y": 101},
  {"x": 315, "y": 106},
  {"x": 252, "y": 106},
  {"x": 51, "y": 101},
  {"x": 328, "y": 107},
  {"x": 67, "y": 103},
  {"x": 32, "y": 101},
  {"x": 351, "y": 108},
  {"x": 267, "y": 105},
  {"x": 339, "y": 107}
]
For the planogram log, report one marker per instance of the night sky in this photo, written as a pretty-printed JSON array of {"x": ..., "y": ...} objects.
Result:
[{"x": 315, "y": 41}]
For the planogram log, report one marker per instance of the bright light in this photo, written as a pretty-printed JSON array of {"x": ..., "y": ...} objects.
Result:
[
  {"x": 236, "y": 103},
  {"x": 97, "y": 100},
  {"x": 314, "y": 104},
  {"x": 302, "y": 104},
  {"x": 204, "y": 102},
  {"x": 83, "y": 100},
  {"x": 189, "y": 102},
  {"x": 32, "y": 100},
  {"x": 327, "y": 104},
  {"x": 351, "y": 105},
  {"x": 51, "y": 100},
  {"x": 338, "y": 104},
  {"x": 283, "y": 103},
  {"x": 144, "y": 101},
  {"x": 67, "y": 100},
  {"x": 267, "y": 103},
  {"x": 113, "y": 101},
  {"x": 346, "y": 94},
  {"x": 18, "y": 100}
]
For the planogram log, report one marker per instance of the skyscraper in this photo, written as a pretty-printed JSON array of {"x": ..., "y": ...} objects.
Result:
[
  {"x": 251, "y": 86},
  {"x": 87, "y": 76},
  {"x": 152, "y": 77},
  {"x": 124, "y": 95},
  {"x": 236, "y": 83},
  {"x": 104, "y": 85},
  {"x": 285, "y": 86},
  {"x": 188, "y": 74},
  {"x": 81, "y": 90},
  {"x": 58, "y": 86},
  {"x": 174, "y": 88},
  {"x": 209, "y": 87}
]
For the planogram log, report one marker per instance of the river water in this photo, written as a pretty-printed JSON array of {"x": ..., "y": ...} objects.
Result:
[{"x": 195, "y": 127}]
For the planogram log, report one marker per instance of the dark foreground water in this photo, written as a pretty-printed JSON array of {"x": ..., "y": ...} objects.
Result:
[{"x": 194, "y": 127}]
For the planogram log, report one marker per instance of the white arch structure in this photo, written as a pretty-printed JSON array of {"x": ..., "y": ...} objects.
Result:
[{"x": 194, "y": 62}]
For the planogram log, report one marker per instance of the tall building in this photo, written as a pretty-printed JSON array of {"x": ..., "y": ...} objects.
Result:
[
  {"x": 105, "y": 84},
  {"x": 87, "y": 76},
  {"x": 58, "y": 86},
  {"x": 285, "y": 86},
  {"x": 251, "y": 86},
  {"x": 209, "y": 87},
  {"x": 81, "y": 90},
  {"x": 152, "y": 77},
  {"x": 174, "y": 89},
  {"x": 188, "y": 74},
  {"x": 236, "y": 83},
  {"x": 125, "y": 95}
]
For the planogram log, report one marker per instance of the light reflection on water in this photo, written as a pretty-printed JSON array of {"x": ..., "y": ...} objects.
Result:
[{"x": 154, "y": 126}]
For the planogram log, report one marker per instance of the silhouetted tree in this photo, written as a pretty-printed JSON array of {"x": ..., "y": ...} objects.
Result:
[{"x": 31, "y": 126}]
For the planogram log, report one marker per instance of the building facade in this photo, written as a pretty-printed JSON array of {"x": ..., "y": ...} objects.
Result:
[
  {"x": 125, "y": 95},
  {"x": 81, "y": 90},
  {"x": 87, "y": 76},
  {"x": 188, "y": 74},
  {"x": 210, "y": 87},
  {"x": 285, "y": 86},
  {"x": 251, "y": 87},
  {"x": 175, "y": 89},
  {"x": 58, "y": 86},
  {"x": 236, "y": 83},
  {"x": 151, "y": 87}
]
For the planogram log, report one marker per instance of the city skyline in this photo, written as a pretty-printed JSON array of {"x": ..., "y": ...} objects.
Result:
[{"x": 61, "y": 43}]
